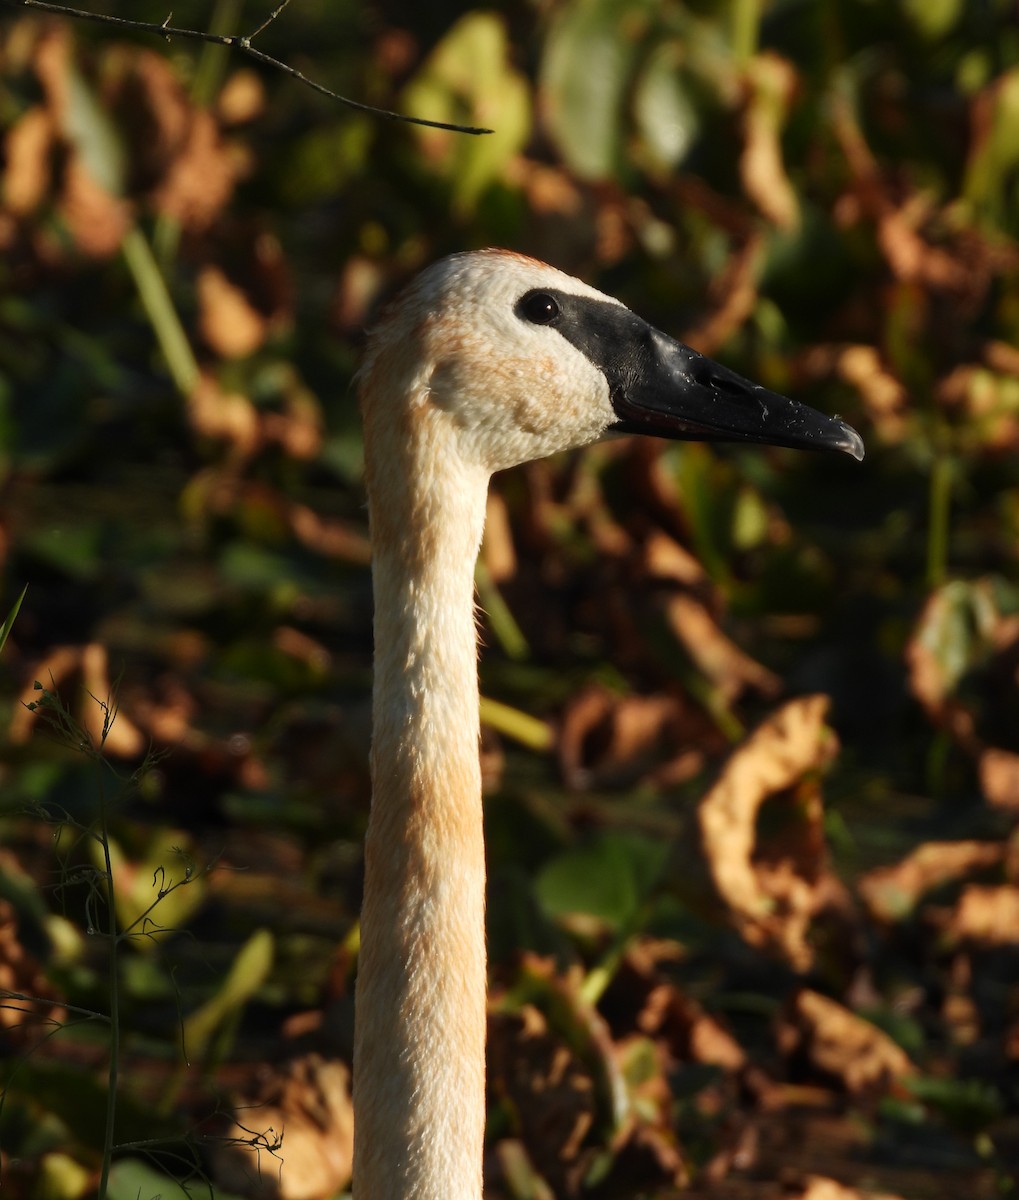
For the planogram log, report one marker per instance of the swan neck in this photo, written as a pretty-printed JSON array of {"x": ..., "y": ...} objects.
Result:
[{"x": 419, "y": 1064}]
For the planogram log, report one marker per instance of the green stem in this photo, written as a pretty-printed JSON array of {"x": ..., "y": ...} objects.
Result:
[
  {"x": 160, "y": 310},
  {"x": 113, "y": 1075},
  {"x": 604, "y": 971},
  {"x": 745, "y": 20},
  {"x": 939, "y": 516},
  {"x": 501, "y": 621},
  {"x": 520, "y": 726}
]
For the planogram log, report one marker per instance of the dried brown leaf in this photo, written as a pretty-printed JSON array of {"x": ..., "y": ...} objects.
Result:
[
  {"x": 730, "y": 670},
  {"x": 985, "y": 916},
  {"x": 999, "y": 778},
  {"x": 607, "y": 740},
  {"x": 22, "y": 1020},
  {"x": 224, "y": 416},
  {"x": 664, "y": 558},
  {"x": 817, "y": 1187},
  {"x": 307, "y": 1105},
  {"x": 188, "y": 167},
  {"x": 329, "y": 536},
  {"x": 919, "y": 244},
  {"x": 551, "y": 1094},
  {"x": 891, "y": 893},
  {"x": 772, "y": 893},
  {"x": 229, "y": 323},
  {"x": 884, "y": 398},
  {"x": 838, "y": 1043},
  {"x": 95, "y": 218},
  {"x": 28, "y": 148},
  {"x": 643, "y": 995},
  {"x": 241, "y": 98},
  {"x": 770, "y": 84},
  {"x": 80, "y": 676}
]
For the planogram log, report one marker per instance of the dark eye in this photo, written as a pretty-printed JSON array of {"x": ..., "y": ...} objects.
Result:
[{"x": 539, "y": 308}]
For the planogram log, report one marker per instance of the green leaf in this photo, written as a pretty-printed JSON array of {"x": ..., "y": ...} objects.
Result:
[
  {"x": 5, "y": 628},
  {"x": 468, "y": 79},
  {"x": 608, "y": 878},
  {"x": 590, "y": 59},
  {"x": 135, "y": 1179},
  {"x": 666, "y": 119},
  {"x": 157, "y": 892},
  {"x": 250, "y": 969},
  {"x": 88, "y": 127}
]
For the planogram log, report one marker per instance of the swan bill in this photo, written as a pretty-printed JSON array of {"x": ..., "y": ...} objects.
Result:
[{"x": 662, "y": 387}]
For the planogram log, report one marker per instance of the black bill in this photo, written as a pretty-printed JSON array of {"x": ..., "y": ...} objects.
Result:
[{"x": 659, "y": 386}]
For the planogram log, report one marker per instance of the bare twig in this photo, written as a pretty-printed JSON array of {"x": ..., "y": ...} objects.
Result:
[{"x": 237, "y": 41}]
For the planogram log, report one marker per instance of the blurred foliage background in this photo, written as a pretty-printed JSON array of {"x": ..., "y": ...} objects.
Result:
[{"x": 750, "y": 718}]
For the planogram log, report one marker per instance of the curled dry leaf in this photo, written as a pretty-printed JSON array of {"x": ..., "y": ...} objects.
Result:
[
  {"x": 79, "y": 676},
  {"x": 770, "y": 84},
  {"x": 729, "y": 669},
  {"x": 892, "y": 893},
  {"x": 772, "y": 892},
  {"x": 167, "y": 713},
  {"x": 247, "y": 295},
  {"x": 607, "y": 740},
  {"x": 293, "y": 1138},
  {"x": 836, "y": 1042}
]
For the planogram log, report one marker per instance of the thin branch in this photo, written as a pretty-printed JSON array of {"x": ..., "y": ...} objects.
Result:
[{"x": 242, "y": 43}]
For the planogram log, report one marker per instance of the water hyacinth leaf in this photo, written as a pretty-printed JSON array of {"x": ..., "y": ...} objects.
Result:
[
  {"x": 156, "y": 893},
  {"x": 590, "y": 58},
  {"x": 667, "y": 120},
  {"x": 250, "y": 969},
  {"x": 469, "y": 78},
  {"x": 132, "y": 1177},
  {"x": 607, "y": 878}
]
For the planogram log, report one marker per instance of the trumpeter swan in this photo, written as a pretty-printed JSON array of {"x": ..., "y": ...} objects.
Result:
[{"x": 487, "y": 360}]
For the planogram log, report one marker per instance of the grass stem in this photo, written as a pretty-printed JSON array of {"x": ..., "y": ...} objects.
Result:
[{"x": 160, "y": 310}]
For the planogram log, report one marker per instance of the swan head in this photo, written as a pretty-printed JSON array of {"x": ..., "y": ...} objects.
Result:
[{"x": 521, "y": 360}]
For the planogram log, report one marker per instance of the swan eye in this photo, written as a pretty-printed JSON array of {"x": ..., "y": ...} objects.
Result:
[{"x": 539, "y": 308}]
